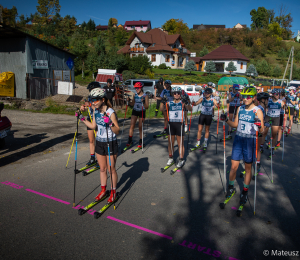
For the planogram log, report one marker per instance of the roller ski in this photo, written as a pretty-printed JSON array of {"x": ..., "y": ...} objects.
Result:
[
  {"x": 169, "y": 164},
  {"x": 90, "y": 170},
  {"x": 128, "y": 146},
  {"x": 99, "y": 213},
  {"x": 162, "y": 134},
  {"x": 243, "y": 201},
  {"x": 88, "y": 165},
  {"x": 88, "y": 207},
  {"x": 242, "y": 174},
  {"x": 204, "y": 147},
  {"x": 197, "y": 147},
  {"x": 228, "y": 137},
  {"x": 230, "y": 192},
  {"x": 139, "y": 147},
  {"x": 179, "y": 165}
]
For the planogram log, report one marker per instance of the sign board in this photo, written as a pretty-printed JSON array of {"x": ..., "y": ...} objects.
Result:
[
  {"x": 70, "y": 63},
  {"x": 7, "y": 84},
  {"x": 57, "y": 75},
  {"x": 107, "y": 72},
  {"x": 66, "y": 75},
  {"x": 40, "y": 64},
  {"x": 65, "y": 88}
]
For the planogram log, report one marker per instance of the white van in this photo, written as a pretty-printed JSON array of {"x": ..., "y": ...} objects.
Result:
[
  {"x": 148, "y": 85},
  {"x": 294, "y": 83}
]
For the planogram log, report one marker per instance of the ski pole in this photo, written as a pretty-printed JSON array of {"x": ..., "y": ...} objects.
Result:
[
  {"x": 217, "y": 132},
  {"x": 110, "y": 172},
  {"x": 123, "y": 123},
  {"x": 71, "y": 147},
  {"x": 255, "y": 174},
  {"x": 187, "y": 146},
  {"x": 169, "y": 129},
  {"x": 149, "y": 114},
  {"x": 224, "y": 155},
  {"x": 271, "y": 150},
  {"x": 142, "y": 128},
  {"x": 75, "y": 170},
  {"x": 182, "y": 125},
  {"x": 283, "y": 136},
  {"x": 91, "y": 120}
]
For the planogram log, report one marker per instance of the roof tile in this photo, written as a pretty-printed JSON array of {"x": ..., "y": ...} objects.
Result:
[{"x": 225, "y": 52}]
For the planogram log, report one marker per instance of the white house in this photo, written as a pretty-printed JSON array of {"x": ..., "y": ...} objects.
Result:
[
  {"x": 222, "y": 56},
  {"x": 159, "y": 47}
]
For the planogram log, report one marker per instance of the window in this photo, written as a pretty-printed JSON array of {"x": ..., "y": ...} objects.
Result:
[
  {"x": 153, "y": 57},
  {"x": 140, "y": 54},
  {"x": 132, "y": 27},
  {"x": 132, "y": 55},
  {"x": 241, "y": 65},
  {"x": 142, "y": 26},
  {"x": 197, "y": 88},
  {"x": 167, "y": 58},
  {"x": 189, "y": 88},
  {"x": 153, "y": 45}
]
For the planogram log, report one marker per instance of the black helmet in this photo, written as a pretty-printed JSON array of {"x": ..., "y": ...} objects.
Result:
[
  {"x": 161, "y": 80},
  {"x": 208, "y": 90},
  {"x": 262, "y": 95},
  {"x": 209, "y": 84},
  {"x": 93, "y": 85}
]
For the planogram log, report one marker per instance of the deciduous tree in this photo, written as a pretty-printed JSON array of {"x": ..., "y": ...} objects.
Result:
[{"x": 47, "y": 9}]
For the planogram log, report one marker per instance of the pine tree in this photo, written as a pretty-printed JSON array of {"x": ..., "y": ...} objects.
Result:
[
  {"x": 100, "y": 45},
  {"x": 231, "y": 68},
  {"x": 251, "y": 71},
  {"x": 203, "y": 52},
  {"x": 210, "y": 67},
  {"x": 190, "y": 66}
]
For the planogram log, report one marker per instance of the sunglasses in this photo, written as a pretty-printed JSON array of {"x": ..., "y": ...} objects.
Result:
[
  {"x": 247, "y": 97},
  {"x": 276, "y": 94},
  {"x": 94, "y": 100},
  {"x": 177, "y": 93}
]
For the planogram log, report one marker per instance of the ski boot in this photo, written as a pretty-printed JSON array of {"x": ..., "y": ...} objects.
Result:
[
  {"x": 271, "y": 152},
  {"x": 170, "y": 162},
  {"x": 244, "y": 197},
  {"x": 277, "y": 145},
  {"x": 101, "y": 194},
  {"x": 91, "y": 161},
  {"x": 180, "y": 163},
  {"x": 289, "y": 131},
  {"x": 204, "y": 147},
  {"x": 230, "y": 192},
  {"x": 156, "y": 112},
  {"x": 261, "y": 149},
  {"x": 112, "y": 197}
]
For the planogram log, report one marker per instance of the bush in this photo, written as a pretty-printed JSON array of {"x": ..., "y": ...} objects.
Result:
[
  {"x": 163, "y": 66},
  {"x": 127, "y": 74},
  {"x": 140, "y": 64}
]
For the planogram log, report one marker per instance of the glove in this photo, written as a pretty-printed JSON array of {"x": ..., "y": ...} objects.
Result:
[
  {"x": 185, "y": 100},
  {"x": 81, "y": 117},
  {"x": 288, "y": 98},
  {"x": 223, "y": 117},
  {"x": 143, "y": 100},
  {"x": 193, "y": 103},
  {"x": 217, "y": 99},
  {"x": 257, "y": 122},
  {"x": 164, "y": 100},
  {"x": 106, "y": 119}
]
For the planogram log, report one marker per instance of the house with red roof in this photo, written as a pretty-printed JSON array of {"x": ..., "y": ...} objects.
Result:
[
  {"x": 221, "y": 57},
  {"x": 159, "y": 47},
  {"x": 139, "y": 26}
]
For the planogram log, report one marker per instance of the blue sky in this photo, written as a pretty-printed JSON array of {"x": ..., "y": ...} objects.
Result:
[{"x": 227, "y": 12}]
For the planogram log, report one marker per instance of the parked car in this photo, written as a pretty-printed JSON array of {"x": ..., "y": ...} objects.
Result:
[{"x": 148, "y": 85}]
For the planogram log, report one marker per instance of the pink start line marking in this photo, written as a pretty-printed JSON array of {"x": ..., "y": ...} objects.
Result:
[
  {"x": 49, "y": 197},
  {"x": 138, "y": 227}
]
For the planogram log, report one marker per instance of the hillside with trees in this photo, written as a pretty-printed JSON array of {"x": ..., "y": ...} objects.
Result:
[{"x": 266, "y": 43}]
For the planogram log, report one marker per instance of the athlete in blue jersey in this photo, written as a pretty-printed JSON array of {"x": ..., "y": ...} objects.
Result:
[
  {"x": 106, "y": 123},
  {"x": 234, "y": 103},
  {"x": 140, "y": 103},
  {"x": 175, "y": 113},
  {"x": 247, "y": 120},
  {"x": 205, "y": 118},
  {"x": 291, "y": 103}
]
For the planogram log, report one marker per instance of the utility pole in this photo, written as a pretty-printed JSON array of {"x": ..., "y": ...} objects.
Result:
[{"x": 291, "y": 71}]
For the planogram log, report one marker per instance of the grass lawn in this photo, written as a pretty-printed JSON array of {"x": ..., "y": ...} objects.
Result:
[
  {"x": 176, "y": 71},
  {"x": 88, "y": 77}
]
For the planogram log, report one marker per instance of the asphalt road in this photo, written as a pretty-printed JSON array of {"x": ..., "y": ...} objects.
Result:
[{"x": 158, "y": 216}]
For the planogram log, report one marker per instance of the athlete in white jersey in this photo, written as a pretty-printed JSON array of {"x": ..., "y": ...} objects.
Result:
[
  {"x": 248, "y": 118},
  {"x": 175, "y": 113},
  {"x": 106, "y": 123}
]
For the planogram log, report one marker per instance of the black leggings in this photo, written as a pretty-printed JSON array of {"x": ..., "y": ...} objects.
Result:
[{"x": 158, "y": 104}]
